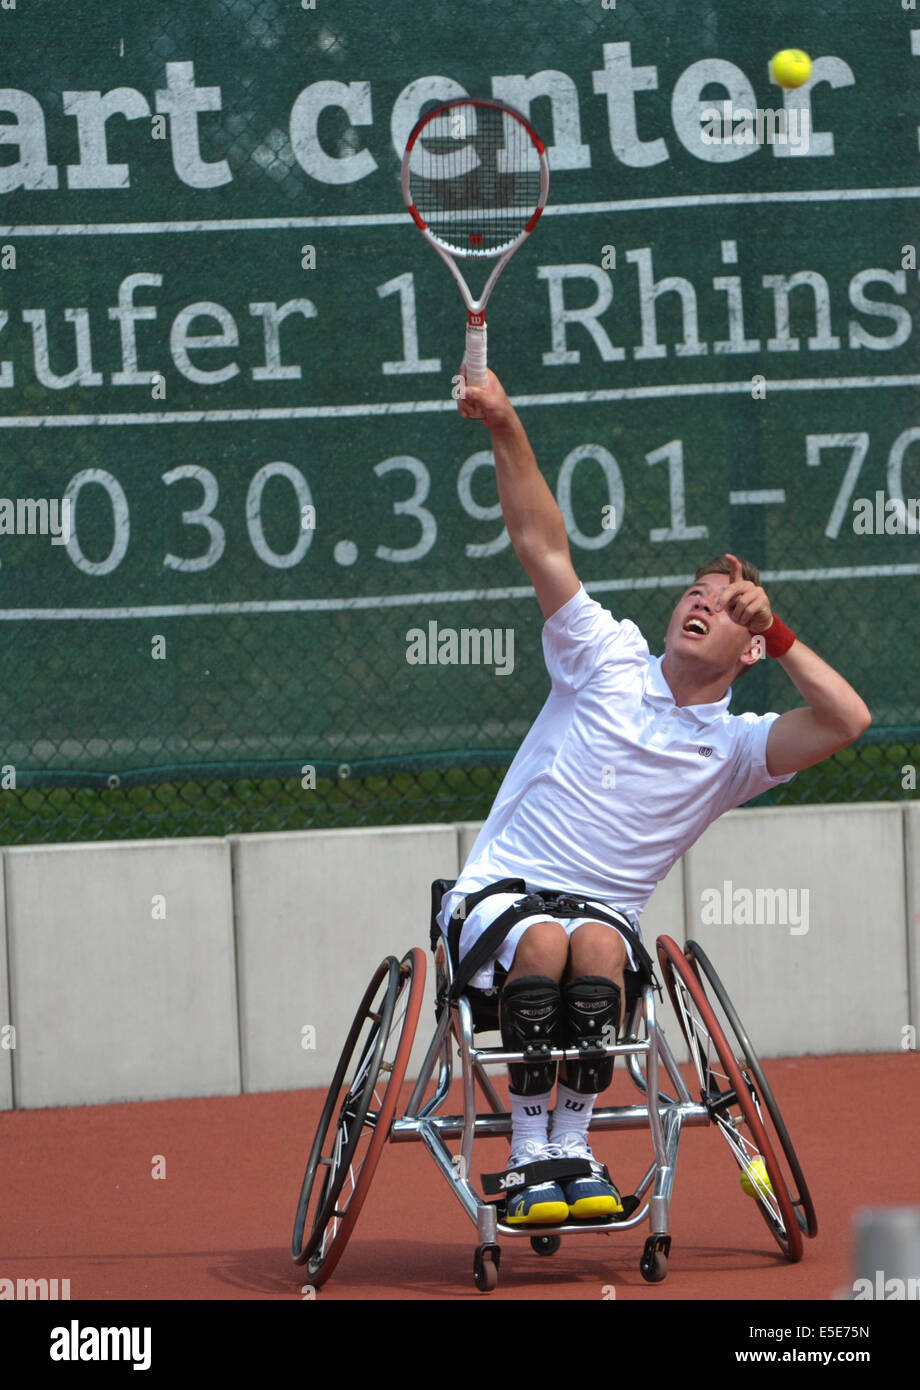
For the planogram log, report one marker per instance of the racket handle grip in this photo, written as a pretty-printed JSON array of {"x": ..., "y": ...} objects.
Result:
[{"x": 476, "y": 354}]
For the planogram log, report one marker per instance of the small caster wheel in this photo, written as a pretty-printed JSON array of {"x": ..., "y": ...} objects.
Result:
[
  {"x": 654, "y": 1263},
  {"x": 545, "y": 1245},
  {"x": 485, "y": 1267}
]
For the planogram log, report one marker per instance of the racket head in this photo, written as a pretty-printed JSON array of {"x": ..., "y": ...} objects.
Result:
[{"x": 475, "y": 177}]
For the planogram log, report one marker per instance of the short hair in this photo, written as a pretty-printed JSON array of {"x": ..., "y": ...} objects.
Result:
[{"x": 720, "y": 565}]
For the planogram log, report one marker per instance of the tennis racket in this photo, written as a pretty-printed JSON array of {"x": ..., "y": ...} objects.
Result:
[{"x": 475, "y": 178}]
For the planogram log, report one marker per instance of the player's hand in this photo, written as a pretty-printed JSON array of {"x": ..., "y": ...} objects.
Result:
[
  {"x": 744, "y": 602},
  {"x": 487, "y": 403}
]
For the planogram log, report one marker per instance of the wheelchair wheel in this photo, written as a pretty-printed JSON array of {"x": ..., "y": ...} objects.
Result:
[
  {"x": 804, "y": 1207},
  {"x": 729, "y": 1092},
  {"x": 357, "y": 1115}
]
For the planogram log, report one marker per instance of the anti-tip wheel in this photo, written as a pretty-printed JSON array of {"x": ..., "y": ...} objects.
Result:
[
  {"x": 654, "y": 1263},
  {"x": 485, "y": 1267}
]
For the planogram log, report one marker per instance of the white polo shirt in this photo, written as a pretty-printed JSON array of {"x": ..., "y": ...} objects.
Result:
[{"x": 614, "y": 781}]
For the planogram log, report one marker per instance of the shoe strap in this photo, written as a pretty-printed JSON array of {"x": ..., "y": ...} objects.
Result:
[{"x": 532, "y": 1174}]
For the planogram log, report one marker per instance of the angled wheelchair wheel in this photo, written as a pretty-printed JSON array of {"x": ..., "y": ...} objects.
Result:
[
  {"x": 357, "y": 1115},
  {"x": 778, "y": 1134},
  {"x": 729, "y": 1091}
]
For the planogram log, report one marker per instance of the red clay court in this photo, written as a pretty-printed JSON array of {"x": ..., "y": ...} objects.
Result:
[{"x": 81, "y": 1202}]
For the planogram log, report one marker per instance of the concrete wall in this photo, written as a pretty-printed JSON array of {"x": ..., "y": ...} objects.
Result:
[
  {"x": 7, "y": 1033},
  {"x": 316, "y": 912},
  {"x": 202, "y": 967},
  {"x": 121, "y": 971},
  {"x": 825, "y": 968},
  {"x": 912, "y": 889}
]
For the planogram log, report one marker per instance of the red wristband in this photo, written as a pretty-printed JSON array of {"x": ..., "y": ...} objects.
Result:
[{"x": 778, "y": 638}]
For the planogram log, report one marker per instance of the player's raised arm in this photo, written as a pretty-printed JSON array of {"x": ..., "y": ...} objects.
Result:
[
  {"x": 532, "y": 516},
  {"x": 835, "y": 715}
]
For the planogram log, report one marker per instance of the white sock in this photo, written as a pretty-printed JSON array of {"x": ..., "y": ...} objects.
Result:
[
  {"x": 572, "y": 1114},
  {"x": 529, "y": 1119}
]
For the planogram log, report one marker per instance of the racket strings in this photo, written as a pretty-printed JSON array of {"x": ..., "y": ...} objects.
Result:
[{"x": 475, "y": 178}]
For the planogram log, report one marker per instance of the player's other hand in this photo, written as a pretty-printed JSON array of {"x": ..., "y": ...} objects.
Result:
[
  {"x": 487, "y": 403},
  {"x": 744, "y": 602}
]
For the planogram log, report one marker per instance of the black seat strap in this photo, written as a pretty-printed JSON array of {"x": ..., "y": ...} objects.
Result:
[
  {"x": 460, "y": 914},
  {"x": 552, "y": 901}
]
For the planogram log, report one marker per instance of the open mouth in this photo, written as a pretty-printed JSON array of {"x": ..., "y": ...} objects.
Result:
[{"x": 696, "y": 627}]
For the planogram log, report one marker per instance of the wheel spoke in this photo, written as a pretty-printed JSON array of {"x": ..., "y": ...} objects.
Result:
[
  {"x": 729, "y": 1092},
  {"x": 374, "y": 1061},
  {"x": 768, "y": 1111}
]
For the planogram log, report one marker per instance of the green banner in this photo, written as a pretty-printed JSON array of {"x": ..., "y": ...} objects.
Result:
[{"x": 242, "y": 524}]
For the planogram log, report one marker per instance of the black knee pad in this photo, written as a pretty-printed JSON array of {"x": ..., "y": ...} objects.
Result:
[
  {"x": 591, "y": 1011},
  {"x": 530, "y": 1017}
]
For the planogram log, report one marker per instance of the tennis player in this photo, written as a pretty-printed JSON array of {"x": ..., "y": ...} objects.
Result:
[{"x": 629, "y": 761}]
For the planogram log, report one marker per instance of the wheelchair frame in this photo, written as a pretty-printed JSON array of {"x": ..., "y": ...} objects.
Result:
[{"x": 360, "y": 1114}]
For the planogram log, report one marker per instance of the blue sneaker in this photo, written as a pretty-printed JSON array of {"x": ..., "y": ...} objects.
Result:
[
  {"x": 590, "y": 1198},
  {"x": 545, "y": 1203}
]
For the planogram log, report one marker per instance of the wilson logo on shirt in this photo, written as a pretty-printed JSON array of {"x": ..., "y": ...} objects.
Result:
[{"x": 704, "y": 751}]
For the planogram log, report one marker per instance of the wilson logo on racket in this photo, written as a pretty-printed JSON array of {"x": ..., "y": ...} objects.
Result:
[{"x": 475, "y": 178}]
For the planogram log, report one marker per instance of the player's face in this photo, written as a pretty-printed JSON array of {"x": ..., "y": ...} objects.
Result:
[{"x": 699, "y": 630}]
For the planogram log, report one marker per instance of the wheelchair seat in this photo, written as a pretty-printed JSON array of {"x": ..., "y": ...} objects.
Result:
[{"x": 484, "y": 1002}]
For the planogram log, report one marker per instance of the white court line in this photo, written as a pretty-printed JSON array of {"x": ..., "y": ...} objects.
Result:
[
  {"x": 392, "y": 219},
  {"x": 337, "y": 605},
  {"x": 337, "y": 412}
]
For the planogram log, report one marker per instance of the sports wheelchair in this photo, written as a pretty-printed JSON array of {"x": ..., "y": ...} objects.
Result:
[{"x": 360, "y": 1112}]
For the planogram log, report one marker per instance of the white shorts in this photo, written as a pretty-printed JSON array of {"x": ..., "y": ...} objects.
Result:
[{"x": 486, "y": 912}]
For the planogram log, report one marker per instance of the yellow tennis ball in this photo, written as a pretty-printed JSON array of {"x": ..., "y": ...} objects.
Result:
[
  {"x": 759, "y": 1169},
  {"x": 791, "y": 67}
]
